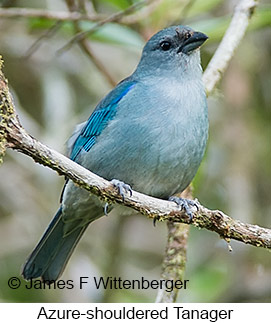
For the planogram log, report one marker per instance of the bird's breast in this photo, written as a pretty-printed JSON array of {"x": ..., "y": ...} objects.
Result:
[{"x": 156, "y": 141}]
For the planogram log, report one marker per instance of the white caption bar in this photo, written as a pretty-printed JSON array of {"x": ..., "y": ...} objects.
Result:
[{"x": 137, "y": 312}]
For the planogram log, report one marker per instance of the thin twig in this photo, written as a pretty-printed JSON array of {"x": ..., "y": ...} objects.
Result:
[
  {"x": 77, "y": 16},
  {"x": 50, "y": 15},
  {"x": 186, "y": 9},
  {"x": 116, "y": 17},
  {"x": 84, "y": 45},
  {"x": 141, "y": 14},
  {"x": 229, "y": 43},
  {"x": 46, "y": 35},
  {"x": 124, "y": 16},
  {"x": 88, "y": 51}
]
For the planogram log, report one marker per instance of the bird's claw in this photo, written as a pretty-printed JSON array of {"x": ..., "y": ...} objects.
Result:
[
  {"x": 156, "y": 218},
  {"x": 122, "y": 188},
  {"x": 106, "y": 209},
  {"x": 185, "y": 205}
]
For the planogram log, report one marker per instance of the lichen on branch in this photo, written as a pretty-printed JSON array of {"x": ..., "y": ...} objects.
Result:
[{"x": 17, "y": 138}]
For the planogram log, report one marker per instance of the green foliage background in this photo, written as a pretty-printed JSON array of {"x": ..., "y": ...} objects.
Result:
[{"x": 54, "y": 91}]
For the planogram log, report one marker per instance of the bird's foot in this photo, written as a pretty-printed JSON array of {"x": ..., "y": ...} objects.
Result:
[
  {"x": 156, "y": 218},
  {"x": 122, "y": 188},
  {"x": 185, "y": 205},
  {"x": 106, "y": 209}
]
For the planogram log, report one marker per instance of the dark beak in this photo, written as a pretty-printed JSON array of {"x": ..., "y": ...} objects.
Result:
[{"x": 193, "y": 42}]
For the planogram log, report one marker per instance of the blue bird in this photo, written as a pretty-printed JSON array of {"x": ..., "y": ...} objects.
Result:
[{"x": 149, "y": 132}]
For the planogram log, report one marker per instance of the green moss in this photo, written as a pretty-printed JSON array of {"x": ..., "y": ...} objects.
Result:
[
  {"x": 2, "y": 146},
  {"x": 6, "y": 111},
  {"x": 2, "y": 135}
]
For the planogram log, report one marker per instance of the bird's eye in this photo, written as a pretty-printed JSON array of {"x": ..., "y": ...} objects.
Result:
[{"x": 165, "y": 45}]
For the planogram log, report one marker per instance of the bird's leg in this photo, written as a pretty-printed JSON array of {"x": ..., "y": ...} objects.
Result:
[
  {"x": 185, "y": 205},
  {"x": 122, "y": 188}
]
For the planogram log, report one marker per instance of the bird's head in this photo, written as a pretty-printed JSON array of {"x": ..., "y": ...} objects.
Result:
[{"x": 174, "y": 49}]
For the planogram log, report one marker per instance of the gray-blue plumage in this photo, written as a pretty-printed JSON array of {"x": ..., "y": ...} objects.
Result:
[{"x": 149, "y": 132}]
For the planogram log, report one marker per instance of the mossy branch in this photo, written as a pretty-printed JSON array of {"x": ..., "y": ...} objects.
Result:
[{"x": 15, "y": 137}]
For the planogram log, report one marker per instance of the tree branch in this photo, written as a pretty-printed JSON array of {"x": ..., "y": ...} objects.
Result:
[
  {"x": 78, "y": 16},
  {"x": 127, "y": 16},
  {"x": 116, "y": 17},
  {"x": 14, "y": 136},
  {"x": 232, "y": 38},
  {"x": 141, "y": 14},
  {"x": 85, "y": 47},
  {"x": 50, "y": 15},
  {"x": 46, "y": 35},
  {"x": 174, "y": 260}
]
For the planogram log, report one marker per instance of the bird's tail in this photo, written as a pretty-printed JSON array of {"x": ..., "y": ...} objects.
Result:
[{"x": 53, "y": 251}]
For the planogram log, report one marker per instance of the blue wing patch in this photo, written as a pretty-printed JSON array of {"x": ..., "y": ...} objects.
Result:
[{"x": 98, "y": 120}]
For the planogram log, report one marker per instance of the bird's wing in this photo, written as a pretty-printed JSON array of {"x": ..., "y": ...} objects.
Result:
[{"x": 85, "y": 135}]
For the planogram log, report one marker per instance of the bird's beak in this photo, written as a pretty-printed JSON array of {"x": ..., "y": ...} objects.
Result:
[{"x": 193, "y": 42}]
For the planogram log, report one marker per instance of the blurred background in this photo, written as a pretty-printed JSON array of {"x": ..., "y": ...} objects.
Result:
[{"x": 57, "y": 86}]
